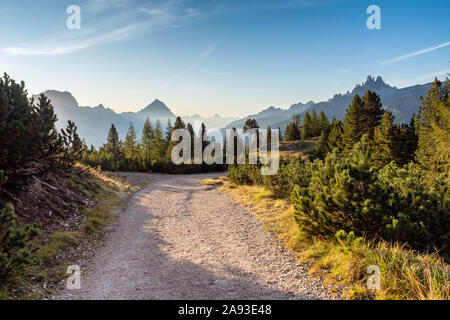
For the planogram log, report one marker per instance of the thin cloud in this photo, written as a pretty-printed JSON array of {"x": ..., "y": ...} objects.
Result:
[
  {"x": 430, "y": 76},
  {"x": 114, "y": 36},
  {"x": 171, "y": 14},
  {"x": 413, "y": 54}
]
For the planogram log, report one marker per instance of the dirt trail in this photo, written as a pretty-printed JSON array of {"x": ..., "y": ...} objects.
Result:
[{"x": 178, "y": 239}]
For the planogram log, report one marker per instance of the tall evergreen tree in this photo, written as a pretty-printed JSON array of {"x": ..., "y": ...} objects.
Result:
[
  {"x": 384, "y": 141},
  {"x": 158, "y": 149},
  {"x": 193, "y": 137},
  {"x": 433, "y": 130},
  {"x": 168, "y": 133},
  {"x": 72, "y": 142},
  {"x": 335, "y": 135},
  {"x": 315, "y": 127},
  {"x": 323, "y": 122},
  {"x": 306, "y": 129},
  {"x": 113, "y": 143},
  {"x": 146, "y": 143},
  {"x": 130, "y": 143},
  {"x": 353, "y": 123},
  {"x": 372, "y": 114}
]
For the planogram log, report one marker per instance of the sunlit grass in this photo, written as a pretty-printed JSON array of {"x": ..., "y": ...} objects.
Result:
[{"x": 405, "y": 274}]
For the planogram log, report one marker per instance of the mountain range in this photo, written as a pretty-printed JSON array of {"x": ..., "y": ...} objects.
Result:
[
  {"x": 403, "y": 103},
  {"x": 94, "y": 122}
]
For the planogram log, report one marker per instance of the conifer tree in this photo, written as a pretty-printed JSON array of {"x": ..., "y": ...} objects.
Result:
[
  {"x": 353, "y": 122},
  {"x": 306, "y": 129},
  {"x": 72, "y": 143},
  {"x": 204, "y": 137},
  {"x": 146, "y": 143},
  {"x": 193, "y": 137},
  {"x": 130, "y": 143},
  {"x": 323, "y": 122},
  {"x": 372, "y": 114},
  {"x": 16, "y": 247},
  {"x": 168, "y": 132},
  {"x": 27, "y": 131},
  {"x": 384, "y": 141},
  {"x": 315, "y": 127},
  {"x": 112, "y": 149},
  {"x": 321, "y": 147},
  {"x": 113, "y": 143},
  {"x": 433, "y": 130},
  {"x": 49, "y": 142},
  {"x": 335, "y": 135},
  {"x": 269, "y": 137},
  {"x": 158, "y": 143}
]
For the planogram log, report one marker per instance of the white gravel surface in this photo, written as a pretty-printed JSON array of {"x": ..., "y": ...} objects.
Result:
[{"x": 178, "y": 239}]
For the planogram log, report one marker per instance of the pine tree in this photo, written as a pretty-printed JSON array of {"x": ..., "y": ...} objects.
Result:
[
  {"x": 16, "y": 247},
  {"x": 112, "y": 148},
  {"x": 158, "y": 143},
  {"x": 372, "y": 114},
  {"x": 179, "y": 124},
  {"x": 113, "y": 144},
  {"x": 323, "y": 122},
  {"x": 193, "y": 137},
  {"x": 269, "y": 137},
  {"x": 335, "y": 135},
  {"x": 146, "y": 143},
  {"x": 321, "y": 148},
  {"x": 168, "y": 132},
  {"x": 306, "y": 129},
  {"x": 72, "y": 143},
  {"x": 130, "y": 143},
  {"x": 251, "y": 124},
  {"x": 204, "y": 137},
  {"x": 49, "y": 142},
  {"x": 353, "y": 122},
  {"x": 433, "y": 130},
  {"x": 27, "y": 131},
  {"x": 384, "y": 141},
  {"x": 315, "y": 127}
]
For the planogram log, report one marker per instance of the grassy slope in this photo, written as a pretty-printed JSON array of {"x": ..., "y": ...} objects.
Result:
[
  {"x": 68, "y": 245},
  {"x": 404, "y": 274}
]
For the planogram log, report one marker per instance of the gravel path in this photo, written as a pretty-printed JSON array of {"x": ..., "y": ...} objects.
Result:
[{"x": 178, "y": 239}]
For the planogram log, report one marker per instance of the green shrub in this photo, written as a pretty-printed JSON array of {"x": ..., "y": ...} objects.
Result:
[
  {"x": 16, "y": 248},
  {"x": 347, "y": 193},
  {"x": 245, "y": 174},
  {"x": 292, "y": 172}
]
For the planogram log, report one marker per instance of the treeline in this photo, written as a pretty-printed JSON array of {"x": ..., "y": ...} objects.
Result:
[
  {"x": 30, "y": 145},
  {"x": 311, "y": 126},
  {"x": 372, "y": 177},
  {"x": 152, "y": 152}
]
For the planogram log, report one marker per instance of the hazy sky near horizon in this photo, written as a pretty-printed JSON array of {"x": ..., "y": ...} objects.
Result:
[{"x": 229, "y": 57}]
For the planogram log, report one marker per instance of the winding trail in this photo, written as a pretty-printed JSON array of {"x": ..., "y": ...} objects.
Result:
[{"x": 178, "y": 239}]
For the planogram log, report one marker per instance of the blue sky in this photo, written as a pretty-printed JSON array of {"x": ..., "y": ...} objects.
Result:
[{"x": 229, "y": 57}]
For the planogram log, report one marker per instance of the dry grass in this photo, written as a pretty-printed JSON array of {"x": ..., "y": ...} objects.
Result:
[
  {"x": 64, "y": 246},
  {"x": 405, "y": 274},
  {"x": 212, "y": 182}
]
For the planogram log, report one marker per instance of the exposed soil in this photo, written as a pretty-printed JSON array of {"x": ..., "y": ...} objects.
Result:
[{"x": 178, "y": 239}]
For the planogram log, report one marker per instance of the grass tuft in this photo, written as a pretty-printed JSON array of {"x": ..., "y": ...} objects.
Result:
[{"x": 405, "y": 274}]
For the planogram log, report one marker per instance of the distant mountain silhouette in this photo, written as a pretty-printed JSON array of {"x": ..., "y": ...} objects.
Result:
[
  {"x": 94, "y": 122},
  {"x": 403, "y": 103},
  {"x": 214, "y": 122}
]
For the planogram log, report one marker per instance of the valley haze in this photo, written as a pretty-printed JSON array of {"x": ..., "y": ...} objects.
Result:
[{"x": 94, "y": 122}]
